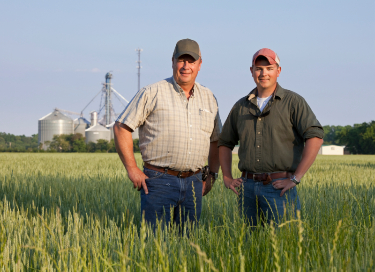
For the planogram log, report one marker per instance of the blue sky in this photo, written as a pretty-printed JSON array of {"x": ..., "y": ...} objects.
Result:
[{"x": 56, "y": 53}]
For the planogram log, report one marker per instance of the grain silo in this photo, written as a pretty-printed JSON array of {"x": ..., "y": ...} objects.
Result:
[
  {"x": 110, "y": 127},
  {"x": 80, "y": 125},
  {"x": 96, "y": 131},
  {"x": 54, "y": 123}
]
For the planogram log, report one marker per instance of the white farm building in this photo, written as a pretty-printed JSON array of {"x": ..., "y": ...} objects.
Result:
[{"x": 331, "y": 150}]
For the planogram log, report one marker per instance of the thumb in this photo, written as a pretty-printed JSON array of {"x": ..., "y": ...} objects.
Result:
[
  {"x": 283, "y": 191},
  {"x": 233, "y": 189}
]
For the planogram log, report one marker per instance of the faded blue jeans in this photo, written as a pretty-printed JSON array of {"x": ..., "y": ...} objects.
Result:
[
  {"x": 169, "y": 196},
  {"x": 264, "y": 201}
]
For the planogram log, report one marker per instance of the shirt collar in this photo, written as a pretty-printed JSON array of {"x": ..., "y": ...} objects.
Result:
[
  {"x": 180, "y": 90},
  {"x": 279, "y": 92}
]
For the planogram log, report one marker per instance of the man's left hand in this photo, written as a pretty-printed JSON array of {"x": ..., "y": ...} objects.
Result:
[
  {"x": 284, "y": 184},
  {"x": 207, "y": 185}
]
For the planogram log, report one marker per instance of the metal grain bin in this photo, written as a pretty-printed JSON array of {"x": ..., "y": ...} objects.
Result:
[
  {"x": 54, "y": 123},
  {"x": 80, "y": 125},
  {"x": 93, "y": 134},
  {"x": 110, "y": 127}
]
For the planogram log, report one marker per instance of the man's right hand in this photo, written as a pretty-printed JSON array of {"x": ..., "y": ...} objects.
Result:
[
  {"x": 138, "y": 178},
  {"x": 232, "y": 184}
]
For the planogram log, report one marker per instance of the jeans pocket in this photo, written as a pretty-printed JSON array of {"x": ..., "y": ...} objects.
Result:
[
  {"x": 153, "y": 174},
  {"x": 198, "y": 177}
]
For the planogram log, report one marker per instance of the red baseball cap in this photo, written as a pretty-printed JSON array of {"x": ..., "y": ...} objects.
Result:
[{"x": 269, "y": 54}]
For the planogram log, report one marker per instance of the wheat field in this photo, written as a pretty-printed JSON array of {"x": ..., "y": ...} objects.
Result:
[{"x": 79, "y": 212}]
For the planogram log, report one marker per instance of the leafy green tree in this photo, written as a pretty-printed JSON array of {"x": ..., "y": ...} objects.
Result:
[
  {"x": 102, "y": 145},
  {"x": 111, "y": 146},
  {"x": 330, "y": 134},
  {"x": 358, "y": 138},
  {"x": 60, "y": 143}
]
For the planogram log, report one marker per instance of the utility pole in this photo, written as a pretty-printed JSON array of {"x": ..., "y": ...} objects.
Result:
[{"x": 139, "y": 50}]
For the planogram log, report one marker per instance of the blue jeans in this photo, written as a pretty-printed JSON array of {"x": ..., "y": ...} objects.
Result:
[
  {"x": 257, "y": 201},
  {"x": 169, "y": 196}
]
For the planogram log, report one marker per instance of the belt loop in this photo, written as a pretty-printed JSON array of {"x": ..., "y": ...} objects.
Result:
[
  {"x": 166, "y": 170},
  {"x": 179, "y": 174}
]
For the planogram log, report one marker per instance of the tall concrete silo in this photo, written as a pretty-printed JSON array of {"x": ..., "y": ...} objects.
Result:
[
  {"x": 96, "y": 131},
  {"x": 80, "y": 125},
  {"x": 54, "y": 123}
]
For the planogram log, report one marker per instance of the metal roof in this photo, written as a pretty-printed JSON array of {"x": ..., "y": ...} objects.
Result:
[
  {"x": 56, "y": 115},
  {"x": 81, "y": 120},
  {"x": 97, "y": 127}
]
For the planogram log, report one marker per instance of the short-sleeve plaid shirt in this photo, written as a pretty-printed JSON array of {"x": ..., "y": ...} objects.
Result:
[{"x": 174, "y": 132}]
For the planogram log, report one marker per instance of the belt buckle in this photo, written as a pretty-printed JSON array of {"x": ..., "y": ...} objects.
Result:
[{"x": 179, "y": 174}]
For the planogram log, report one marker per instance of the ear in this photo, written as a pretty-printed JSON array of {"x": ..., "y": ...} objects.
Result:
[
  {"x": 278, "y": 71},
  {"x": 251, "y": 69},
  {"x": 200, "y": 64}
]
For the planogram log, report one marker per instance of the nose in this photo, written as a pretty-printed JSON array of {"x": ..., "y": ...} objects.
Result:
[
  {"x": 263, "y": 72},
  {"x": 186, "y": 63}
]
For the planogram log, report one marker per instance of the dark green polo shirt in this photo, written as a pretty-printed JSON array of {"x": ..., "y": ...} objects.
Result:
[{"x": 272, "y": 140}]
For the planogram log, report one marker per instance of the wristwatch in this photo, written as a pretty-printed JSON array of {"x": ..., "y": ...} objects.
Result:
[
  {"x": 294, "y": 179},
  {"x": 214, "y": 175}
]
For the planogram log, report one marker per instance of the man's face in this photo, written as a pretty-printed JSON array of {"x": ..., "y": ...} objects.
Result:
[
  {"x": 185, "y": 69},
  {"x": 265, "y": 75}
]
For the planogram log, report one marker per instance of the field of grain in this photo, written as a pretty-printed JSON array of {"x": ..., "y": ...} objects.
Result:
[{"x": 79, "y": 212}]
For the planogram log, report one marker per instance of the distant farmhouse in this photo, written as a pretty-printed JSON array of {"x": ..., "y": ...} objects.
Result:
[{"x": 331, "y": 150}]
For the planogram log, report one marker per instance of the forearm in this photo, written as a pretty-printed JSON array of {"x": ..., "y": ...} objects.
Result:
[
  {"x": 309, "y": 154},
  {"x": 225, "y": 155},
  {"x": 124, "y": 145},
  {"x": 213, "y": 158}
]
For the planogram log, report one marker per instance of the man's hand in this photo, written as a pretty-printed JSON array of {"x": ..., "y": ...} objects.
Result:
[
  {"x": 138, "y": 178},
  {"x": 232, "y": 184},
  {"x": 284, "y": 184},
  {"x": 207, "y": 185}
]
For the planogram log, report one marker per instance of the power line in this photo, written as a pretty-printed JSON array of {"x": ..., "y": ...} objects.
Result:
[{"x": 139, "y": 50}]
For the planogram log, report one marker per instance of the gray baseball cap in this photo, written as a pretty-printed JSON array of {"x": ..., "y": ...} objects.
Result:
[{"x": 187, "y": 46}]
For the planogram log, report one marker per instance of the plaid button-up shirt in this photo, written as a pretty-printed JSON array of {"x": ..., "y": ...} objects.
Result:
[{"x": 174, "y": 132}]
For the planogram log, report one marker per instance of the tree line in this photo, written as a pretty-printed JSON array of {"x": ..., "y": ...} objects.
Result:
[
  {"x": 358, "y": 139},
  {"x": 60, "y": 143}
]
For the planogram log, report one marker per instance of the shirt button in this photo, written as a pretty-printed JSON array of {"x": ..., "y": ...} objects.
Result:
[
  {"x": 258, "y": 146},
  {"x": 189, "y": 112},
  {"x": 189, "y": 153},
  {"x": 257, "y": 159},
  {"x": 259, "y": 119},
  {"x": 191, "y": 139},
  {"x": 191, "y": 126},
  {"x": 258, "y": 132}
]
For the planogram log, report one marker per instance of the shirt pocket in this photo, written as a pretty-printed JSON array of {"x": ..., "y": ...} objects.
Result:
[{"x": 206, "y": 119}]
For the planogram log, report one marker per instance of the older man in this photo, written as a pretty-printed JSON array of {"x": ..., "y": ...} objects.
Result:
[
  {"x": 179, "y": 127},
  {"x": 279, "y": 139}
]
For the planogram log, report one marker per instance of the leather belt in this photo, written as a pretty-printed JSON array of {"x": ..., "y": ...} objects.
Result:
[
  {"x": 266, "y": 177},
  {"x": 179, "y": 174}
]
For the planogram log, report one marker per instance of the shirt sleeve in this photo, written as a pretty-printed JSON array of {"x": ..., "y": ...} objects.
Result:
[
  {"x": 229, "y": 134},
  {"x": 305, "y": 121},
  {"x": 217, "y": 128},
  {"x": 136, "y": 112}
]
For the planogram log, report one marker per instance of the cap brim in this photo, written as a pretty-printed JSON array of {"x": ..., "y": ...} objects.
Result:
[
  {"x": 270, "y": 60},
  {"x": 194, "y": 55}
]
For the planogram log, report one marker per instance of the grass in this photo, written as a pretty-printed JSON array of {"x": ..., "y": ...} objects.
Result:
[{"x": 79, "y": 212}]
